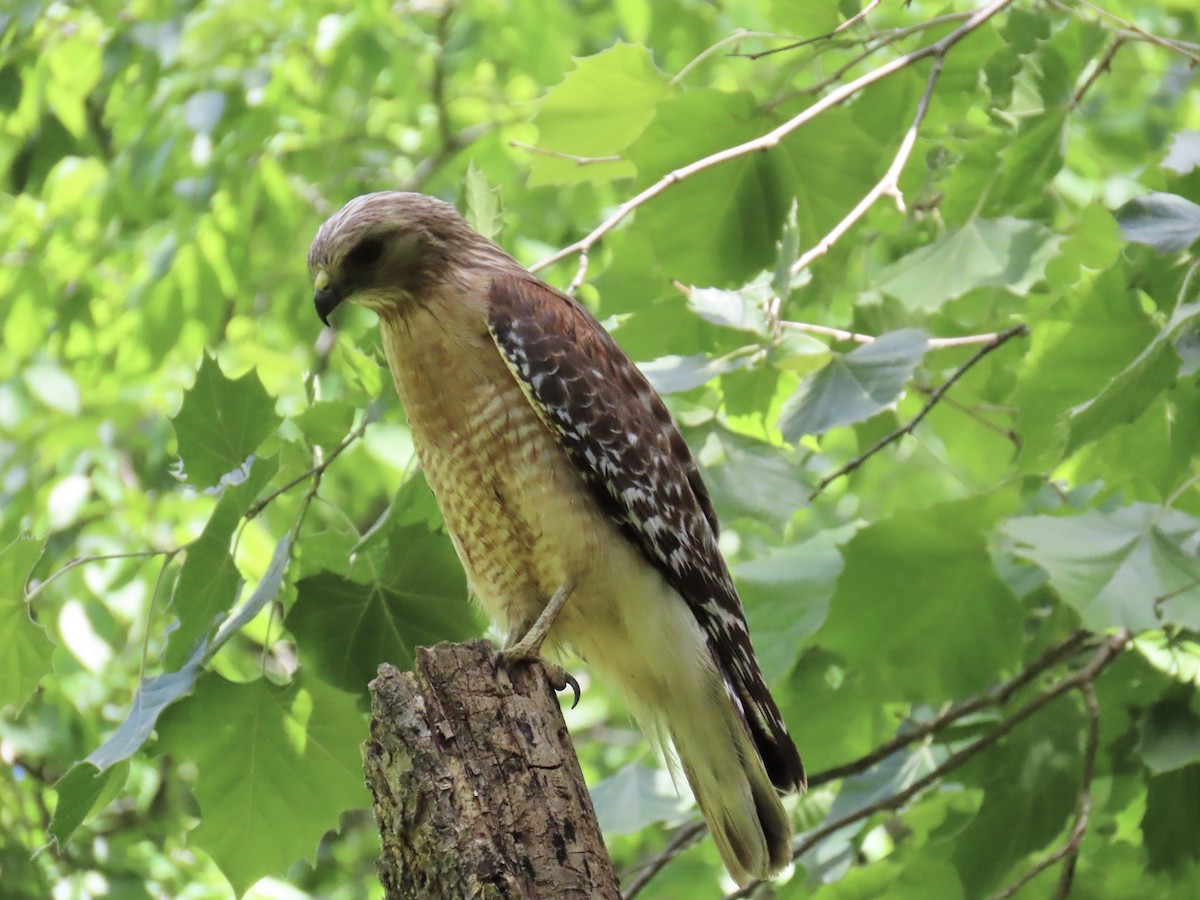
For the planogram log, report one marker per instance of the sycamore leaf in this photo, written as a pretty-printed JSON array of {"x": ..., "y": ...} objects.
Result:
[
  {"x": 920, "y": 581},
  {"x": 277, "y": 766},
  {"x": 1130, "y": 392},
  {"x": 1005, "y": 253},
  {"x": 1166, "y": 222},
  {"x": 345, "y": 629},
  {"x": 25, "y": 649},
  {"x": 85, "y": 789},
  {"x": 602, "y": 105},
  {"x": 675, "y": 374},
  {"x": 1128, "y": 567},
  {"x": 634, "y": 797},
  {"x": 208, "y": 580},
  {"x": 221, "y": 422},
  {"x": 1170, "y": 736},
  {"x": 729, "y": 309},
  {"x": 853, "y": 386},
  {"x": 786, "y": 592}
]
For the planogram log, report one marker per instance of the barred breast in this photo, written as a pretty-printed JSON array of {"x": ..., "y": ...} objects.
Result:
[{"x": 521, "y": 518}]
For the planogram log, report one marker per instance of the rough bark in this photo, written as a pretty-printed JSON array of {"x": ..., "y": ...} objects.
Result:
[{"x": 477, "y": 789}]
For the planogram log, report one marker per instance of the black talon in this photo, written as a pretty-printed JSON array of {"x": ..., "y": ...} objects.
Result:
[{"x": 574, "y": 686}]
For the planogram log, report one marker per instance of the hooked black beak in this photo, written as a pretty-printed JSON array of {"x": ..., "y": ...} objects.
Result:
[{"x": 326, "y": 301}]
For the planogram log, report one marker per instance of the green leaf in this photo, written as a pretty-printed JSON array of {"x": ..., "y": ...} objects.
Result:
[
  {"x": 84, "y": 790},
  {"x": 152, "y": 697},
  {"x": 786, "y": 592},
  {"x": 483, "y": 203},
  {"x": 902, "y": 594},
  {"x": 675, "y": 374},
  {"x": 1169, "y": 825},
  {"x": 742, "y": 202},
  {"x": 1071, "y": 356},
  {"x": 1170, "y": 736},
  {"x": 1030, "y": 782},
  {"x": 208, "y": 580},
  {"x": 853, "y": 386},
  {"x": 221, "y": 422},
  {"x": 327, "y": 422},
  {"x": 1128, "y": 567},
  {"x": 1131, "y": 391},
  {"x": 729, "y": 309},
  {"x": 277, "y": 766},
  {"x": 635, "y": 797},
  {"x": 756, "y": 481},
  {"x": 25, "y": 649},
  {"x": 1167, "y": 222},
  {"x": 345, "y": 629},
  {"x": 602, "y": 105},
  {"x": 799, "y": 353},
  {"x": 1005, "y": 253}
]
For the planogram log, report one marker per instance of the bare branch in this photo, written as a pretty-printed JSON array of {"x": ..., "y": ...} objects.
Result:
[
  {"x": 998, "y": 341},
  {"x": 774, "y": 137},
  {"x": 682, "y": 839},
  {"x": 315, "y": 473},
  {"x": 849, "y": 23},
  {"x": 888, "y": 185},
  {"x": 1068, "y": 853},
  {"x": 1100, "y": 68},
  {"x": 1130, "y": 31},
  {"x": 569, "y": 157},
  {"x": 858, "y": 337},
  {"x": 31, "y": 592},
  {"x": 1108, "y": 651},
  {"x": 738, "y": 35}
]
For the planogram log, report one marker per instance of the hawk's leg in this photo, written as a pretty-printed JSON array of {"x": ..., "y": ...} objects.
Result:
[{"x": 528, "y": 647}]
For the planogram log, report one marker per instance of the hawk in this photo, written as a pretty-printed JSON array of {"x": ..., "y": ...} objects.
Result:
[{"x": 571, "y": 498}]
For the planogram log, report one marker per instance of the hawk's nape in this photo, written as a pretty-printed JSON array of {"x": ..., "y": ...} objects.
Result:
[{"x": 558, "y": 469}]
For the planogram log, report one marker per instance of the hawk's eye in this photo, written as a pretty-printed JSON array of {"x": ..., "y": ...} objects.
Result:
[{"x": 367, "y": 252}]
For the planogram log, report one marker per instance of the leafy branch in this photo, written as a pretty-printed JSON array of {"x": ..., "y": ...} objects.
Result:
[
  {"x": 916, "y": 733},
  {"x": 1108, "y": 651},
  {"x": 995, "y": 343},
  {"x": 938, "y": 49}
]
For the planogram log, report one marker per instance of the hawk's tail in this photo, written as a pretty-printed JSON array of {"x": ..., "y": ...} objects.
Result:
[{"x": 733, "y": 789}]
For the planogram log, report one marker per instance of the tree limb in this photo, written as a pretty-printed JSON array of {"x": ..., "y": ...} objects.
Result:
[{"x": 476, "y": 787}]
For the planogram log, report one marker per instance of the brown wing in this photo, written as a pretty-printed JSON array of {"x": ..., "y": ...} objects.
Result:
[{"x": 620, "y": 436}]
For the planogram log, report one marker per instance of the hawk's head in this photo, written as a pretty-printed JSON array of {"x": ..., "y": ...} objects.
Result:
[{"x": 386, "y": 250}]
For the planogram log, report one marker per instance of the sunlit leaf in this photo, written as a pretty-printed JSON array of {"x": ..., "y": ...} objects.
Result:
[{"x": 221, "y": 422}]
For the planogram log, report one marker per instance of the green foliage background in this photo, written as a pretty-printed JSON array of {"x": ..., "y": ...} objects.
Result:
[{"x": 214, "y": 530}]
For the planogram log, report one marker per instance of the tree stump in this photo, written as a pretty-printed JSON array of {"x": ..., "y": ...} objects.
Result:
[{"x": 477, "y": 789}]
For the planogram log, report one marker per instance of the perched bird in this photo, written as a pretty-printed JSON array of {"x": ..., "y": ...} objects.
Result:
[{"x": 571, "y": 498}]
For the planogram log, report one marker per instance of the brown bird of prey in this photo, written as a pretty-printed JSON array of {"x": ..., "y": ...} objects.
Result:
[{"x": 574, "y": 504}]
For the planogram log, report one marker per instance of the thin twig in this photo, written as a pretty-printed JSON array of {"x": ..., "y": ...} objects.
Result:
[
  {"x": 776, "y": 135},
  {"x": 680, "y": 841},
  {"x": 314, "y": 473},
  {"x": 569, "y": 157},
  {"x": 841, "y": 334},
  {"x": 739, "y": 35},
  {"x": 888, "y": 185},
  {"x": 1132, "y": 32},
  {"x": 998, "y": 341},
  {"x": 1068, "y": 853},
  {"x": 883, "y": 39},
  {"x": 998, "y": 697},
  {"x": 1108, "y": 651},
  {"x": 1100, "y": 68},
  {"x": 795, "y": 45},
  {"x": 77, "y": 561}
]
